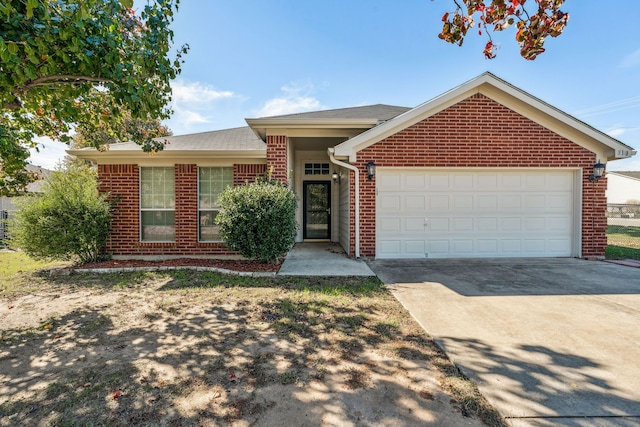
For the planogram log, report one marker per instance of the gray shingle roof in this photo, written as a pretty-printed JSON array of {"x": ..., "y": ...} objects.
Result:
[
  {"x": 630, "y": 174},
  {"x": 243, "y": 138},
  {"x": 234, "y": 139},
  {"x": 36, "y": 187},
  {"x": 378, "y": 112}
]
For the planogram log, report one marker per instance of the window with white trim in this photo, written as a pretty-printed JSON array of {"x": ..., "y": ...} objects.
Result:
[
  {"x": 211, "y": 182},
  {"x": 157, "y": 204}
]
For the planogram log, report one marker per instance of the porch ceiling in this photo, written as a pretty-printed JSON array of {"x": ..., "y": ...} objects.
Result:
[{"x": 315, "y": 144}]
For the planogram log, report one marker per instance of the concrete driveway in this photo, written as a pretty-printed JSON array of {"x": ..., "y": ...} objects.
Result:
[{"x": 548, "y": 341}]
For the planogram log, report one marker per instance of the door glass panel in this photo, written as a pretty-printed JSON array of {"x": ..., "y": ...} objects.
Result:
[{"x": 317, "y": 212}]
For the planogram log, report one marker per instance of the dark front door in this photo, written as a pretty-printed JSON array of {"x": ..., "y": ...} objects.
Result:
[{"x": 317, "y": 210}]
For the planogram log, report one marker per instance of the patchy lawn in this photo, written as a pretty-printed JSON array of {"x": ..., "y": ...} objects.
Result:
[
  {"x": 199, "y": 348},
  {"x": 16, "y": 272},
  {"x": 623, "y": 241}
]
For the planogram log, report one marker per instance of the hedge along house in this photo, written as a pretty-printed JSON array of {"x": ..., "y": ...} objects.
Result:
[{"x": 484, "y": 170}]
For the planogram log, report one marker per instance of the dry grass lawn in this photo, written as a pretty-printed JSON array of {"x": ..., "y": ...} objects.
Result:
[{"x": 197, "y": 349}]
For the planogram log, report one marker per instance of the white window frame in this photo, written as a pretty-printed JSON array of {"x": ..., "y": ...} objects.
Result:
[
  {"x": 143, "y": 209},
  {"x": 316, "y": 169},
  {"x": 213, "y": 209}
]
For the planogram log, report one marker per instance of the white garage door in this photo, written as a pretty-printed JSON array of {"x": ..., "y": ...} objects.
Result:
[{"x": 445, "y": 214}]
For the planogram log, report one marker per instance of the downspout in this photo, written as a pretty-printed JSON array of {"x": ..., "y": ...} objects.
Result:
[{"x": 331, "y": 151}]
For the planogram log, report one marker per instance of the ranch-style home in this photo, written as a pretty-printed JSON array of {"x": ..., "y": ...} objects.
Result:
[{"x": 483, "y": 170}]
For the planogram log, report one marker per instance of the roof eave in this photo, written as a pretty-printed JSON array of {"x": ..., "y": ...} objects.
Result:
[
  {"x": 131, "y": 156},
  {"x": 260, "y": 126}
]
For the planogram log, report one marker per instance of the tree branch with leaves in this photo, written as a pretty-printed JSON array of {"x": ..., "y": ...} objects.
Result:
[
  {"x": 81, "y": 63},
  {"x": 534, "y": 22}
]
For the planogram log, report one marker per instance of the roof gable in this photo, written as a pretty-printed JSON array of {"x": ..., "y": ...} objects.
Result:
[{"x": 606, "y": 147}]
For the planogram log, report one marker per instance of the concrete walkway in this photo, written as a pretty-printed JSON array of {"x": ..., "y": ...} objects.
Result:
[
  {"x": 322, "y": 259},
  {"x": 550, "y": 342}
]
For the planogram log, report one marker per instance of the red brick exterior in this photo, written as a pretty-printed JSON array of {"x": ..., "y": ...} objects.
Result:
[
  {"x": 479, "y": 132},
  {"x": 122, "y": 183},
  {"x": 277, "y": 157},
  {"x": 352, "y": 213},
  {"x": 243, "y": 174}
]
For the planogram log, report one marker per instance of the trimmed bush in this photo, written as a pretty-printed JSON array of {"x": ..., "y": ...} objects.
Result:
[
  {"x": 68, "y": 221},
  {"x": 258, "y": 219}
]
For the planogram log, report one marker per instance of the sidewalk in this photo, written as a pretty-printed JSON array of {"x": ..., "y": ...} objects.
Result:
[{"x": 322, "y": 259}]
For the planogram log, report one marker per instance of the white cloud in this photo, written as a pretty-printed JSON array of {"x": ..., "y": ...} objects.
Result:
[
  {"x": 295, "y": 99},
  {"x": 193, "y": 104},
  {"x": 50, "y": 153},
  {"x": 192, "y": 117},
  {"x": 631, "y": 60},
  {"x": 197, "y": 93}
]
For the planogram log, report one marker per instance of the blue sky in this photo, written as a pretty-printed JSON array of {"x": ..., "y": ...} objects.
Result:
[{"x": 254, "y": 58}]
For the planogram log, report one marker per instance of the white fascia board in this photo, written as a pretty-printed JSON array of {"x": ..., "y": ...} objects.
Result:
[
  {"x": 260, "y": 126},
  {"x": 193, "y": 156},
  {"x": 313, "y": 123}
]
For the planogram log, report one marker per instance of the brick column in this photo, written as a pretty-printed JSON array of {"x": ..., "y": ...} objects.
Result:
[
  {"x": 122, "y": 183},
  {"x": 186, "y": 191},
  {"x": 594, "y": 217},
  {"x": 277, "y": 157}
]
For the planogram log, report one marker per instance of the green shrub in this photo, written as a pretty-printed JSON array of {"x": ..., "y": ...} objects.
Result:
[
  {"x": 68, "y": 221},
  {"x": 258, "y": 220}
]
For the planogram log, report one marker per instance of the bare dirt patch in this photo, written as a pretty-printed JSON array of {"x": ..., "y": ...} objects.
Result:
[{"x": 190, "y": 348}]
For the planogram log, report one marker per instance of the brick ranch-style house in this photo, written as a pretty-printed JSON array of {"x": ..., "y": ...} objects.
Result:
[{"x": 483, "y": 170}]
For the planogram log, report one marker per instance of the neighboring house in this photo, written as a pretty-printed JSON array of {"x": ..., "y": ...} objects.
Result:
[
  {"x": 484, "y": 170},
  {"x": 8, "y": 206},
  {"x": 623, "y": 187}
]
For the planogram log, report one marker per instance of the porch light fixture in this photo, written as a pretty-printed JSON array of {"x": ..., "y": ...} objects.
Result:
[
  {"x": 371, "y": 170},
  {"x": 598, "y": 171},
  {"x": 335, "y": 177}
]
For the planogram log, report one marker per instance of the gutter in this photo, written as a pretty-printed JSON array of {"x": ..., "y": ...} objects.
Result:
[{"x": 331, "y": 152}]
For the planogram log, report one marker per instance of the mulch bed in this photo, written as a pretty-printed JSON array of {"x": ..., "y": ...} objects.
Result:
[{"x": 228, "y": 264}]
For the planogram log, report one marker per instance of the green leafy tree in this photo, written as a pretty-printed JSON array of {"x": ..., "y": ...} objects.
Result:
[
  {"x": 128, "y": 129},
  {"x": 258, "y": 219},
  {"x": 85, "y": 63},
  {"x": 14, "y": 177},
  {"x": 69, "y": 220},
  {"x": 534, "y": 22}
]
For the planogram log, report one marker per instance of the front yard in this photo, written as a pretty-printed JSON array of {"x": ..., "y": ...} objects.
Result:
[{"x": 198, "y": 348}]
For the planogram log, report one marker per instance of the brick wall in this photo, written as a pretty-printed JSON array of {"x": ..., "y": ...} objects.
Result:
[
  {"x": 122, "y": 183},
  {"x": 277, "y": 157},
  {"x": 243, "y": 174},
  {"x": 479, "y": 132}
]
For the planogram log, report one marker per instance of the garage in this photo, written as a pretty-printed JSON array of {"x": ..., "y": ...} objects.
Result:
[{"x": 466, "y": 213}]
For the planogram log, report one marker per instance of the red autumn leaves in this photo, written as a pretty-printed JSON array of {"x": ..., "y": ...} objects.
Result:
[{"x": 498, "y": 15}]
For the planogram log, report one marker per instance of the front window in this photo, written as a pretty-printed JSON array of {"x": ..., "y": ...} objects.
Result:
[
  {"x": 211, "y": 182},
  {"x": 157, "y": 205}
]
